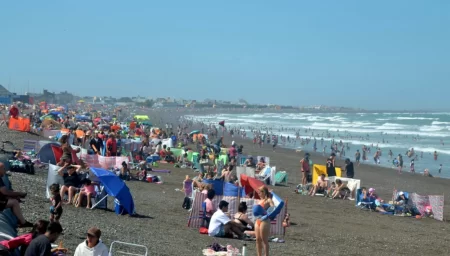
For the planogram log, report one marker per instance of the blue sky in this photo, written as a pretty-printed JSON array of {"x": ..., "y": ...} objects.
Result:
[{"x": 369, "y": 54}]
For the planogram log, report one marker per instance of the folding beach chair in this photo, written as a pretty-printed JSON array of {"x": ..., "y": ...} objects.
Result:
[
  {"x": 281, "y": 177},
  {"x": 29, "y": 145},
  {"x": 99, "y": 201},
  {"x": 265, "y": 174},
  {"x": 205, "y": 219},
  {"x": 118, "y": 247},
  {"x": 364, "y": 204},
  {"x": 189, "y": 192}
]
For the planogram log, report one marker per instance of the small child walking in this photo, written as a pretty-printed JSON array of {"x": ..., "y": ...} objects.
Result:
[
  {"x": 56, "y": 209},
  {"x": 411, "y": 166}
]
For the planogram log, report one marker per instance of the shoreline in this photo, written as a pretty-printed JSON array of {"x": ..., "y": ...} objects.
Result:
[{"x": 303, "y": 149}]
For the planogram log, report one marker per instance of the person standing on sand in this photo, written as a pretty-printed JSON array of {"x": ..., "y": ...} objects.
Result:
[
  {"x": 331, "y": 171},
  {"x": 349, "y": 169},
  {"x": 305, "y": 168},
  {"x": 400, "y": 163},
  {"x": 357, "y": 157},
  {"x": 411, "y": 166}
]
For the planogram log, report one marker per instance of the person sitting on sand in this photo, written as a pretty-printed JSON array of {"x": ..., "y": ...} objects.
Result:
[
  {"x": 249, "y": 163},
  {"x": 226, "y": 173},
  {"x": 427, "y": 173},
  {"x": 221, "y": 224},
  {"x": 342, "y": 191},
  {"x": 320, "y": 187},
  {"x": 331, "y": 189},
  {"x": 241, "y": 217},
  {"x": 124, "y": 171},
  {"x": 42, "y": 245},
  {"x": 372, "y": 194},
  {"x": 71, "y": 181},
  {"x": 261, "y": 164},
  {"x": 163, "y": 152},
  {"x": 10, "y": 199},
  {"x": 401, "y": 199},
  {"x": 210, "y": 209},
  {"x": 169, "y": 156},
  {"x": 24, "y": 240},
  {"x": 92, "y": 246}
]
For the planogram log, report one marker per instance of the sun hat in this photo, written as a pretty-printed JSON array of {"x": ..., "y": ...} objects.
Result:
[
  {"x": 371, "y": 190},
  {"x": 401, "y": 193}
]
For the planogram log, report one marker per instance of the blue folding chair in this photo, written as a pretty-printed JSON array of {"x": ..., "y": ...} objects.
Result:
[{"x": 205, "y": 219}]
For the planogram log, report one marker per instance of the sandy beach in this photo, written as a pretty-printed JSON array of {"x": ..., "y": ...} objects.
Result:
[{"x": 319, "y": 226}]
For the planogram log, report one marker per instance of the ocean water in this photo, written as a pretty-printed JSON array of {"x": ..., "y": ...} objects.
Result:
[{"x": 425, "y": 132}]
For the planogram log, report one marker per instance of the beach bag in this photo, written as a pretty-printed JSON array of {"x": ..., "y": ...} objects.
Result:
[
  {"x": 186, "y": 203},
  {"x": 203, "y": 230}
]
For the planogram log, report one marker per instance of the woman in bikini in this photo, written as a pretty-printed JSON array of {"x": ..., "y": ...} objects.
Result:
[
  {"x": 241, "y": 217},
  {"x": 262, "y": 227}
]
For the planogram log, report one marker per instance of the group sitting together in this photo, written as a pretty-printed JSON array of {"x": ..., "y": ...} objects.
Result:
[
  {"x": 336, "y": 190},
  {"x": 221, "y": 224}
]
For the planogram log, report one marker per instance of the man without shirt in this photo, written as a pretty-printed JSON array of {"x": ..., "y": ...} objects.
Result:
[{"x": 320, "y": 187}]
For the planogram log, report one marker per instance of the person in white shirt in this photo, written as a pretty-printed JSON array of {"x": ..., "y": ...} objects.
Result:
[
  {"x": 221, "y": 225},
  {"x": 92, "y": 246}
]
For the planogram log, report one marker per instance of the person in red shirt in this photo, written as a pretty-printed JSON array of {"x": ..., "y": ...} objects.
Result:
[
  {"x": 14, "y": 112},
  {"x": 163, "y": 153},
  {"x": 111, "y": 145}
]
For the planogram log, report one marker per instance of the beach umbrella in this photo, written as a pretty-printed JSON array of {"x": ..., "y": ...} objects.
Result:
[
  {"x": 194, "y": 132},
  {"x": 115, "y": 187}
]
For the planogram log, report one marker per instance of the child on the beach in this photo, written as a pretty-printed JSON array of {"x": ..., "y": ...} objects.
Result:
[
  {"x": 411, "y": 166},
  {"x": 331, "y": 189},
  {"x": 87, "y": 190},
  {"x": 56, "y": 207}
]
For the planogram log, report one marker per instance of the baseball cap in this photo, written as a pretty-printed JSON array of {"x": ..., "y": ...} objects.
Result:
[
  {"x": 371, "y": 190},
  {"x": 401, "y": 193},
  {"x": 94, "y": 232}
]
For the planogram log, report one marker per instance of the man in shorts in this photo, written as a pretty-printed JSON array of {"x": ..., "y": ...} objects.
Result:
[
  {"x": 305, "y": 169},
  {"x": 320, "y": 187},
  {"x": 221, "y": 225}
]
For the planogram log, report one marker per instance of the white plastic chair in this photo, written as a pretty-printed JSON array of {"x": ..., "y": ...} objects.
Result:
[{"x": 111, "y": 253}]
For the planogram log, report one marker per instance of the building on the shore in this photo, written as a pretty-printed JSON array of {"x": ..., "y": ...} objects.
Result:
[
  {"x": 64, "y": 97},
  {"x": 5, "y": 95}
]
